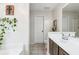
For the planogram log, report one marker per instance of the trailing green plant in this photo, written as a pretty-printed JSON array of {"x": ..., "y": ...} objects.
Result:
[{"x": 6, "y": 24}]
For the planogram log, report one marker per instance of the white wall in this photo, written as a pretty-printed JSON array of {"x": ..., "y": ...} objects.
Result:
[
  {"x": 47, "y": 23},
  {"x": 16, "y": 40}
]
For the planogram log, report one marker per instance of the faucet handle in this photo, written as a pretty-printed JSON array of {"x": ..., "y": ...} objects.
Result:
[
  {"x": 69, "y": 34},
  {"x": 62, "y": 34}
]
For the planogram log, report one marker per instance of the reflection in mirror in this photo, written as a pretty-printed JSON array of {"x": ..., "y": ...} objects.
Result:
[{"x": 70, "y": 18}]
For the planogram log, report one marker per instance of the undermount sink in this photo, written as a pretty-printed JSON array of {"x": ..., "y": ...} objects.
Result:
[
  {"x": 69, "y": 40},
  {"x": 76, "y": 40},
  {"x": 64, "y": 37}
]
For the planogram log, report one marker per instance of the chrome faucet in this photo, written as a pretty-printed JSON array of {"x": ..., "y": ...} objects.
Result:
[{"x": 65, "y": 37}]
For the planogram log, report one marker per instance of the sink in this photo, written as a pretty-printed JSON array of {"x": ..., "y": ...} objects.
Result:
[{"x": 65, "y": 37}]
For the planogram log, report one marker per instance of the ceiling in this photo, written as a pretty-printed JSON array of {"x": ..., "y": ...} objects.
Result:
[
  {"x": 43, "y": 6},
  {"x": 72, "y": 7}
]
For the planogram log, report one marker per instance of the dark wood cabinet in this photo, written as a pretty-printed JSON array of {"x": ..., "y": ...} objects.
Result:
[
  {"x": 62, "y": 52},
  {"x": 54, "y": 49},
  {"x": 50, "y": 46}
]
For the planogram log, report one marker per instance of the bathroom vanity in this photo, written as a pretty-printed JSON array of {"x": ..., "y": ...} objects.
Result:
[
  {"x": 55, "y": 49},
  {"x": 59, "y": 46}
]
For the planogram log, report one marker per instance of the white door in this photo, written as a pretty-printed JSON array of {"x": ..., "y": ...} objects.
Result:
[{"x": 39, "y": 29}]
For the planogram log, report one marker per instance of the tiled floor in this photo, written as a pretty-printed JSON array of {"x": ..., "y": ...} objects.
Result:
[{"x": 38, "y": 49}]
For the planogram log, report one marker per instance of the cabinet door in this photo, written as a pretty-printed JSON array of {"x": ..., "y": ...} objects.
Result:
[
  {"x": 50, "y": 46},
  {"x": 55, "y": 49},
  {"x": 62, "y": 52}
]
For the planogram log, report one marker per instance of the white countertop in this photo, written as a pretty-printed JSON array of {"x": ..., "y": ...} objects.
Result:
[{"x": 71, "y": 46}]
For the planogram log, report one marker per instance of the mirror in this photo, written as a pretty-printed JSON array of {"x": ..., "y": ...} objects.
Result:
[{"x": 70, "y": 18}]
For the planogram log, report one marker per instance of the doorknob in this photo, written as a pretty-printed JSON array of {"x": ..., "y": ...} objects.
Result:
[{"x": 42, "y": 31}]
